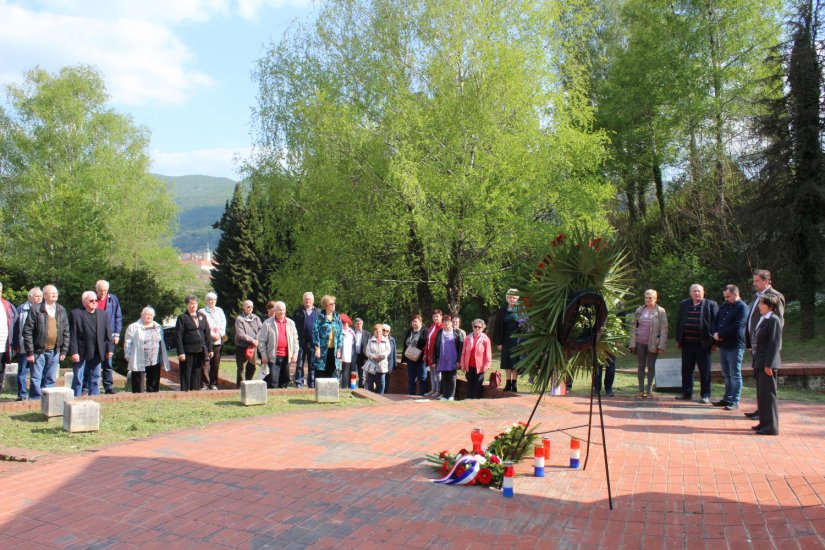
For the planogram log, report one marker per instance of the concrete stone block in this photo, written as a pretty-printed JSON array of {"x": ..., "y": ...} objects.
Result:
[
  {"x": 10, "y": 384},
  {"x": 326, "y": 390},
  {"x": 668, "y": 374},
  {"x": 68, "y": 378},
  {"x": 81, "y": 416},
  {"x": 253, "y": 392},
  {"x": 53, "y": 400}
]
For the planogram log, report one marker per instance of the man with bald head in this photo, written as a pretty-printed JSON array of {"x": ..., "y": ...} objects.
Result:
[
  {"x": 90, "y": 345},
  {"x": 695, "y": 339},
  {"x": 109, "y": 303}
]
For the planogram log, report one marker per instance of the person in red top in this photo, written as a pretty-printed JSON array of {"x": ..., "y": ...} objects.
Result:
[
  {"x": 435, "y": 377},
  {"x": 476, "y": 357},
  {"x": 278, "y": 344}
]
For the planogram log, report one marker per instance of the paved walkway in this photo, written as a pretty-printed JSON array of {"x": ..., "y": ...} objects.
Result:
[{"x": 683, "y": 476}]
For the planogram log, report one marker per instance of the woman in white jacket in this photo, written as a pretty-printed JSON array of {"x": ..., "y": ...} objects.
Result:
[
  {"x": 377, "y": 365},
  {"x": 145, "y": 352}
]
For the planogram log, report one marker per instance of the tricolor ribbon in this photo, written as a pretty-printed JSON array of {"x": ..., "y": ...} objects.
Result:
[{"x": 472, "y": 464}]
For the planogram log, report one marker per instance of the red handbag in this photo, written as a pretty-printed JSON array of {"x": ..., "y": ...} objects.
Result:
[{"x": 250, "y": 353}]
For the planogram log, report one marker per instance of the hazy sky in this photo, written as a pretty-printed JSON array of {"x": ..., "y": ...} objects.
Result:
[{"x": 180, "y": 67}]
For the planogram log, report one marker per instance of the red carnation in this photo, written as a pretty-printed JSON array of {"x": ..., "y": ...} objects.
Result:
[
  {"x": 445, "y": 468},
  {"x": 444, "y": 454},
  {"x": 485, "y": 476},
  {"x": 463, "y": 452},
  {"x": 558, "y": 240},
  {"x": 460, "y": 470},
  {"x": 472, "y": 482},
  {"x": 494, "y": 459}
]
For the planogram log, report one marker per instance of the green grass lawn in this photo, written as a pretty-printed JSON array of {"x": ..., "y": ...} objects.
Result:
[{"x": 130, "y": 420}]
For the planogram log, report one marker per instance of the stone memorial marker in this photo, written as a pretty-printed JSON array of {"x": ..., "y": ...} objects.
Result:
[
  {"x": 81, "y": 416},
  {"x": 253, "y": 392},
  {"x": 53, "y": 400},
  {"x": 668, "y": 374},
  {"x": 326, "y": 390},
  {"x": 68, "y": 378},
  {"x": 10, "y": 384}
]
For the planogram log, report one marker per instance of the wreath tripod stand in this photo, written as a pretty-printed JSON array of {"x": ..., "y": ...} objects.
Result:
[{"x": 592, "y": 301}]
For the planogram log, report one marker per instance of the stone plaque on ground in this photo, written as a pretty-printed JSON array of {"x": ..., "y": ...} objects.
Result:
[
  {"x": 53, "y": 399},
  {"x": 668, "y": 374},
  {"x": 10, "y": 378},
  {"x": 326, "y": 390},
  {"x": 81, "y": 416},
  {"x": 253, "y": 392}
]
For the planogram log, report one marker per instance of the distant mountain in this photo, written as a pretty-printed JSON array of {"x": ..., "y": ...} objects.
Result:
[{"x": 202, "y": 200}]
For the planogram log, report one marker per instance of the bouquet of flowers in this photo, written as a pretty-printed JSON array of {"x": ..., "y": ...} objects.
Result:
[
  {"x": 504, "y": 444},
  {"x": 483, "y": 468}
]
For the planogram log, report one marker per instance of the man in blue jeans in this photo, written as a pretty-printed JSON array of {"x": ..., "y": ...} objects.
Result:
[
  {"x": 729, "y": 334},
  {"x": 45, "y": 341},
  {"x": 109, "y": 303},
  {"x": 304, "y": 318}
]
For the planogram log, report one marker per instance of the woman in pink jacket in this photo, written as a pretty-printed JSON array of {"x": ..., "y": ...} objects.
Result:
[{"x": 476, "y": 358}]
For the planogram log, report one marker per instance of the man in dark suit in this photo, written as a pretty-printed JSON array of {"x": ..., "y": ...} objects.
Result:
[
  {"x": 695, "y": 339},
  {"x": 304, "y": 318},
  {"x": 762, "y": 286},
  {"x": 90, "y": 345}
]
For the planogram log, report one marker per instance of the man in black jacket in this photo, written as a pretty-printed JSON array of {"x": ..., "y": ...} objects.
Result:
[
  {"x": 304, "y": 318},
  {"x": 762, "y": 286},
  {"x": 90, "y": 344},
  {"x": 695, "y": 339},
  {"x": 46, "y": 338}
]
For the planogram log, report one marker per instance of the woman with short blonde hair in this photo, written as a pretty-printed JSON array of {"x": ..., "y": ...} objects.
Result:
[{"x": 648, "y": 337}]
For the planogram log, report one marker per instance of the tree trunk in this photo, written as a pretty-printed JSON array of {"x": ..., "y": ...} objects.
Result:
[
  {"x": 455, "y": 280},
  {"x": 415, "y": 254},
  {"x": 718, "y": 115}
]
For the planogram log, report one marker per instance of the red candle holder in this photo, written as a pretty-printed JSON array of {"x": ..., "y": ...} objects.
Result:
[{"x": 477, "y": 436}]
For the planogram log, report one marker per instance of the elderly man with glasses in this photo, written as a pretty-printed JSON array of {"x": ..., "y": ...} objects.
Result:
[{"x": 90, "y": 344}]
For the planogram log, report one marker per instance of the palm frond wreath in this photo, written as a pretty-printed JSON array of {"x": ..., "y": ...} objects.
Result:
[{"x": 578, "y": 261}]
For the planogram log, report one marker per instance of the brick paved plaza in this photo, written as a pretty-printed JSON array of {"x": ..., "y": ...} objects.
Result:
[{"x": 683, "y": 476}]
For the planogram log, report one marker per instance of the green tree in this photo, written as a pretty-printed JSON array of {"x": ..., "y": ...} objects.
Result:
[
  {"x": 425, "y": 144},
  {"x": 76, "y": 198}
]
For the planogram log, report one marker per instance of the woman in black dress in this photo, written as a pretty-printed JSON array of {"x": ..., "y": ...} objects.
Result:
[{"x": 194, "y": 344}]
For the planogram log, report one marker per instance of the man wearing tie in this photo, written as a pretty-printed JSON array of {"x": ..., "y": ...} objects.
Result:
[{"x": 762, "y": 286}]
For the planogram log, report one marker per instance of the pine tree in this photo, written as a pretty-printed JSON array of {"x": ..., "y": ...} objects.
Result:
[
  {"x": 805, "y": 106},
  {"x": 236, "y": 274}
]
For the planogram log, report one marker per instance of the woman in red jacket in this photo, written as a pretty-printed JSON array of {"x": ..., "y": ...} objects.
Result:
[{"x": 476, "y": 358}]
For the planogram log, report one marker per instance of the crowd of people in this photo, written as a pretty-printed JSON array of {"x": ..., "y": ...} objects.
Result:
[
  {"x": 320, "y": 342},
  {"x": 40, "y": 333},
  {"x": 703, "y": 327}
]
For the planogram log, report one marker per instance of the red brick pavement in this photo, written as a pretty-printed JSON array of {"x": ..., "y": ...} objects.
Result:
[{"x": 683, "y": 475}]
